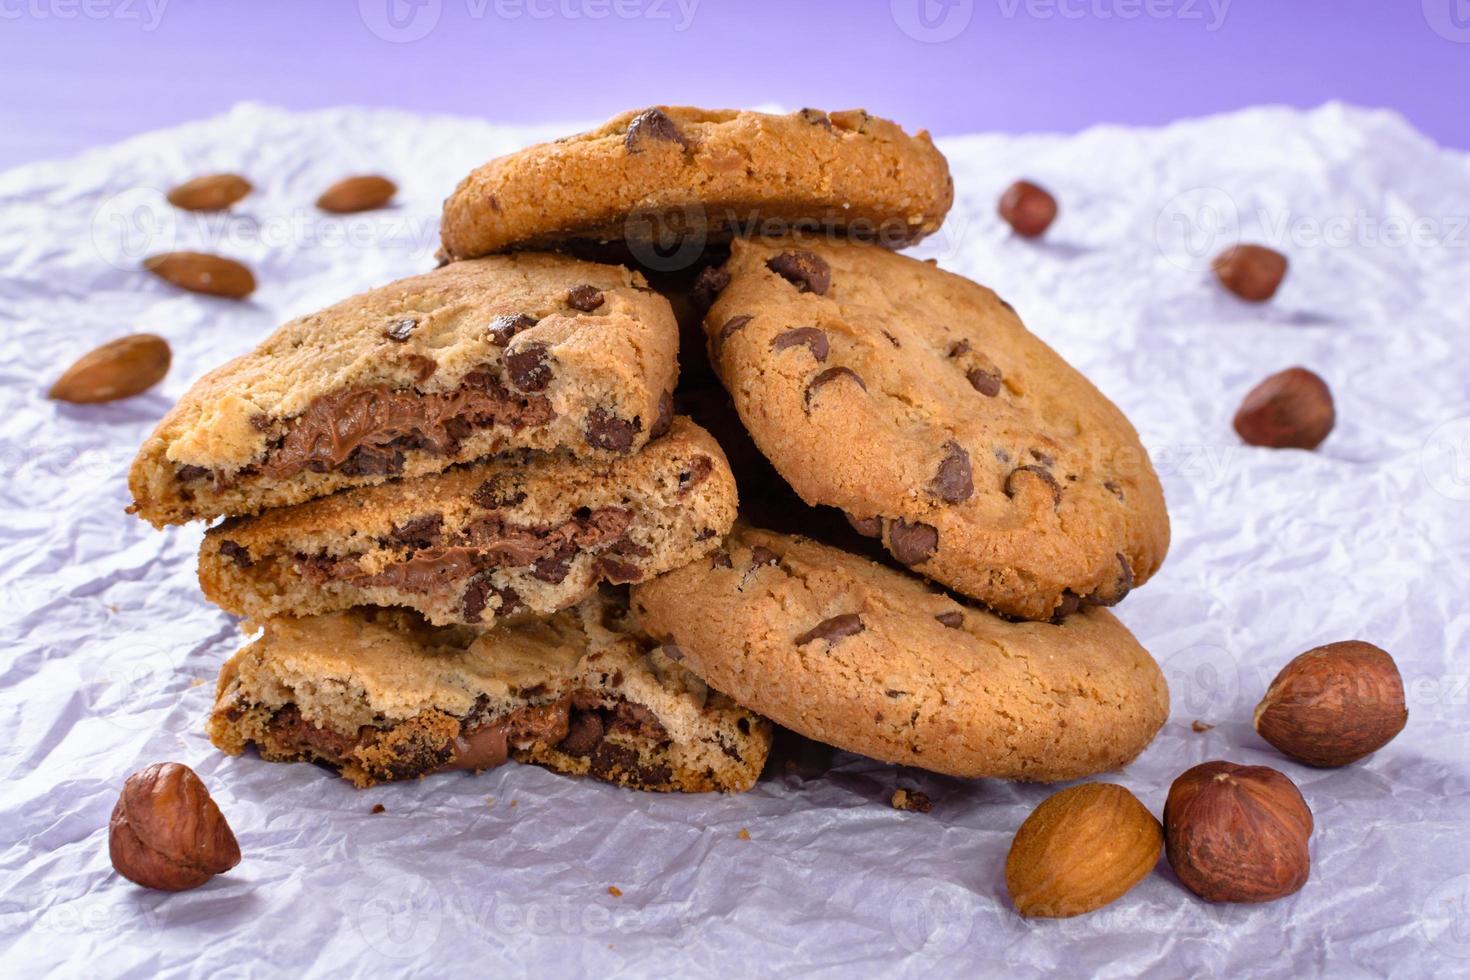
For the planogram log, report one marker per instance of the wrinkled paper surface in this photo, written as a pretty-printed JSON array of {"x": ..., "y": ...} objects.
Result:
[{"x": 110, "y": 653}]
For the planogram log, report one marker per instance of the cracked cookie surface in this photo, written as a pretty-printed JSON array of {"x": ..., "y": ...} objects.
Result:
[
  {"x": 510, "y": 352},
  {"x": 380, "y": 695},
  {"x": 916, "y": 402},
  {"x": 527, "y": 533},
  {"x": 673, "y": 173},
  {"x": 868, "y": 659}
]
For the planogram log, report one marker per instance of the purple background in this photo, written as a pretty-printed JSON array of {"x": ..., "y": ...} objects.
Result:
[{"x": 84, "y": 72}]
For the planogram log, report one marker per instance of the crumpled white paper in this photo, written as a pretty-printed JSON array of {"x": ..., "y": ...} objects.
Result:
[{"x": 110, "y": 653}]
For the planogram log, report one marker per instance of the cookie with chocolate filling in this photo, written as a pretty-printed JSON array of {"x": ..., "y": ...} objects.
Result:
[
  {"x": 526, "y": 533},
  {"x": 869, "y": 659},
  {"x": 916, "y": 402},
  {"x": 671, "y": 179},
  {"x": 516, "y": 352},
  {"x": 380, "y": 695}
]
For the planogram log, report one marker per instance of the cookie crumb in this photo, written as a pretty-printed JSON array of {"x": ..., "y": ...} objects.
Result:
[
  {"x": 744, "y": 834},
  {"x": 614, "y": 891},
  {"x": 196, "y": 682},
  {"x": 515, "y": 802},
  {"x": 379, "y": 808},
  {"x": 1200, "y": 726},
  {"x": 489, "y": 800},
  {"x": 911, "y": 800}
]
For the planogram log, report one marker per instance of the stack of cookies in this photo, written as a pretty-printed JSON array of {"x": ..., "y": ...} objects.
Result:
[{"x": 471, "y": 523}]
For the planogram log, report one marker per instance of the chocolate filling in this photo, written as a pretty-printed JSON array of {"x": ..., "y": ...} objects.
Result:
[
  {"x": 491, "y": 542},
  {"x": 366, "y": 431},
  {"x": 577, "y": 725}
]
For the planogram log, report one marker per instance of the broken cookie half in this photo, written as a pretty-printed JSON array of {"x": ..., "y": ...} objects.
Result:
[
  {"x": 528, "y": 533},
  {"x": 513, "y": 352},
  {"x": 381, "y": 695}
]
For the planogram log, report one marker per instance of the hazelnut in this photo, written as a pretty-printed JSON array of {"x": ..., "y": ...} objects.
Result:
[
  {"x": 166, "y": 832},
  {"x": 1252, "y": 272},
  {"x": 1289, "y": 410},
  {"x": 1237, "y": 833},
  {"x": 1081, "y": 849},
  {"x": 1334, "y": 704},
  {"x": 1027, "y": 208}
]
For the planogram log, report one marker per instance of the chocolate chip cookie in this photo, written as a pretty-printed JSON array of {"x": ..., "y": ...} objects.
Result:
[
  {"x": 677, "y": 177},
  {"x": 915, "y": 401},
  {"x": 513, "y": 352},
  {"x": 380, "y": 695},
  {"x": 524, "y": 533},
  {"x": 868, "y": 659}
]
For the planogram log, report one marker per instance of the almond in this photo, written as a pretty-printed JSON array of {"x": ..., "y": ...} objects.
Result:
[
  {"x": 363, "y": 193},
  {"x": 202, "y": 273},
  {"x": 118, "y": 369},
  {"x": 1081, "y": 849},
  {"x": 212, "y": 192}
]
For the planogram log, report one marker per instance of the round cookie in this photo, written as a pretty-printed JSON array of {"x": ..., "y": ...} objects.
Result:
[
  {"x": 916, "y": 401},
  {"x": 863, "y": 657},
  {"x": 674, "y": 178}
]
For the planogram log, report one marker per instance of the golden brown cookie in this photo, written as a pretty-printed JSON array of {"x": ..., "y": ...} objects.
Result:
[
  {"x": 381, "y": 696},
  {"x": 523, "y": 533},
  {"x": 676, "y": 178},
  {"x": 512, "y": 352},
  {"x": 868, "y": 659},
  {"x": 915, "y": 401}
]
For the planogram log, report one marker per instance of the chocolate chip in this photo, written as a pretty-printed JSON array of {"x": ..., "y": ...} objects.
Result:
[
  {"x": 665, "y": 415},
  {"x": 912, "y": 543},
  {"x": 585, "y": 298},
  {"x": 710, "y": 282},
  {"x": 807, "y": 271},
  {"x": 477, "y": 594},
  {"x": 1042, "y": 458},
  {"x": 584, "y": 733},
  {"x": 401, "y": 330},
  {"x": 761, "y": 555},
  {"x": 959, "y": 348},
  {"x": 423, "y": 367},
  {"x": 953, "y": 481},
  {"x": 237, "y": 553},
  {"x": 1113, "y": 489},
  {"x": 419, "y": 533},
  {"x": 503, "y": 328},
  {"x": 553, "y": 568},
  {"x": 493, "y": 494},
  {"x": 732, "y": 326},
  {"x": 720, "y": 559},
  {"x": 617, "y": 571},
  {"x": 868, "y": 527},
  {"x": 985, "y": 382},
  {"x": 529, "y": 367},
  {"x": 189, "y": 472},
  {"x": 834, "y": 629},
  {"x": 1070, "y": 603},
  {"x": 953, "y": 620},
  {"x": 673, "y": 652},
  {"x": 652, "y": 125},
  {"x": 814, "y": 339},
  {"x": 1120, "y": 589},
  {"x": 1040, "y": 473},
  {"x": 700, "y": 467},
  {"x": 607, "y": 431},
  {"x": 816, "y": 117},
  {"x": 827, "y": 377}
]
